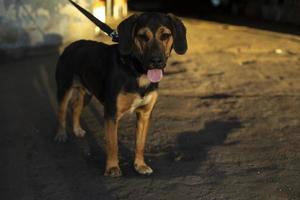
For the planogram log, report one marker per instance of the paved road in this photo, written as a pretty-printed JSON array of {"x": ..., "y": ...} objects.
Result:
[{"x": 226, "y": 126}]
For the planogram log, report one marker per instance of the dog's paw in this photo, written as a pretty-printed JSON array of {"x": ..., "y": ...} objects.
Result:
[
  {"x": 143, "y": 169},
  {"x": 61, "y": 136},
  {"x": 79, "y": 132},
  {"x": 113, "y": 172}
]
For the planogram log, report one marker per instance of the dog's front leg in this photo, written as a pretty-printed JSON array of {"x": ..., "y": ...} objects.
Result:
[
  {"x": 143, "y": 120},
  {"x": 141, "y": 134},
  {"x": 111, "y": 137}
]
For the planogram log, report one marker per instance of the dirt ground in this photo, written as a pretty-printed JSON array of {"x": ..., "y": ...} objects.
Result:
[{"x": 226, "y": 126}]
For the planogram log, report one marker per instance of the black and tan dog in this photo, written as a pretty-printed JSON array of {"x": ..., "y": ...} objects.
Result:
[{"x": 124, "y": 77}]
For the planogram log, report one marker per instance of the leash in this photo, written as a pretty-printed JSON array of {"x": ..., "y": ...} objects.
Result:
[{"x": 104, "y": 27}]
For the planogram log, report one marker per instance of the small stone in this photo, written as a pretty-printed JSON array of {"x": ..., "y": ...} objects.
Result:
[
  {"x": 247, "y": 62},
  {"x": 279, "y": 51},
  {"x": 178, "y": 157}
]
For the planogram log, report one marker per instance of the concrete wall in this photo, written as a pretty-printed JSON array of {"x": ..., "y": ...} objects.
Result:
[{"x": 34, "y": 23}]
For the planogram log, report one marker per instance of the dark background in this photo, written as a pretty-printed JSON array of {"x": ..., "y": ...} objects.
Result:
[{"x": 274, "y": 15}]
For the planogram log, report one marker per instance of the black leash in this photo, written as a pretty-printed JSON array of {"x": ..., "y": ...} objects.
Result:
[{"x": 104, "y": 27}]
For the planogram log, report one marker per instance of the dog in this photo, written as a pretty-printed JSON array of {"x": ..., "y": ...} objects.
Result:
[{"x": 124, "y": 77}]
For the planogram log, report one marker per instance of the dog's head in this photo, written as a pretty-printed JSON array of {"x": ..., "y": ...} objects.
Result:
[{"x": 150, "y": 38}]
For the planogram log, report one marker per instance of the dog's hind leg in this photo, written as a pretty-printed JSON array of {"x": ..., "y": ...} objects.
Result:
[
  {"x": 78, "y": 103},
  {"x": 61, "y": 135}
]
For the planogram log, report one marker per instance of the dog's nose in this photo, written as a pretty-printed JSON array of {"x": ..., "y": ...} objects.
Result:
[{"x": 156, "y": 61}]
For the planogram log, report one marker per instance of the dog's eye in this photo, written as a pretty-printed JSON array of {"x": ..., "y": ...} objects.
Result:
[
  {"x": 165, "y": 36},
  {"x": 143, "y": 37}
]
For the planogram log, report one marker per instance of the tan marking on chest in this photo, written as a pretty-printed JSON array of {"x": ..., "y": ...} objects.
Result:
[
  {"x": 140, "y": 101},
  {"x": 143, "y": 81},
  {"x": 129, "y": 102}
]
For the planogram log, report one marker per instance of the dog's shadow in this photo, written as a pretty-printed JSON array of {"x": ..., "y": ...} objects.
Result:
[
  {"x": 191, "y": 150},
  {"x": 184, "y": 158}
]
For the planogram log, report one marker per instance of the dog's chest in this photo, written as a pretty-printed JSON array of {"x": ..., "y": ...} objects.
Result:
[
  {"x": 130, "y": 102},
  {"x": 139, "y": 102}
]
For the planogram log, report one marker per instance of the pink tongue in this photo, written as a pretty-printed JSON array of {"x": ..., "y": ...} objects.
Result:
[{"x": 155, "y": 75}]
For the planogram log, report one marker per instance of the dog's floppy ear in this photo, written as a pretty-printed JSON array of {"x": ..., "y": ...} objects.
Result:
[
  {"x": 179, "y": 34},
  {"x": 125, "y": 32}
]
